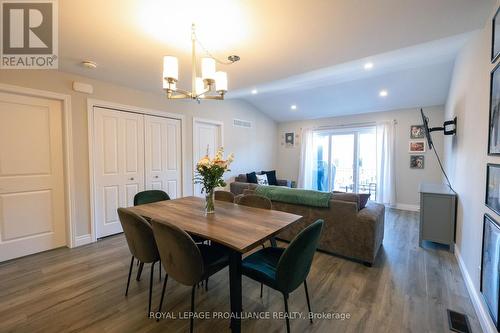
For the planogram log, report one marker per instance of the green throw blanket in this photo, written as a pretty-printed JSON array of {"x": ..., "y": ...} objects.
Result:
[{"x": 295, "y": 196}]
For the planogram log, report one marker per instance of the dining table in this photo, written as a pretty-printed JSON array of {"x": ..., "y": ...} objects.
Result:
[{"x": 239, "y": 228}]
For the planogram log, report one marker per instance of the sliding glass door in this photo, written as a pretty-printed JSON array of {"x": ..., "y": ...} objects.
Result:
[{"x": 345, "y": 160}]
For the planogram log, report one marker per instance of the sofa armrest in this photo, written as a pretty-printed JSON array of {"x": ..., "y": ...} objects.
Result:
[{"x": 284, "y": 182}]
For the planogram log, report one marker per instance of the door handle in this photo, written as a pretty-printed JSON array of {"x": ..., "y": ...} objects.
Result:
[
  {"x": 131, "y": 178},
  {"x": 156, "y": 176}
]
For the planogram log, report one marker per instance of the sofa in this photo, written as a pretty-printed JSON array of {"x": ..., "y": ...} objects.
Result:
[
  {"x": 349, "y": 232},
  {"x": 241, "y": 184}
]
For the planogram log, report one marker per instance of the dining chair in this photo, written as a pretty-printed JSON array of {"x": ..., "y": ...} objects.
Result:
[
  {"x": 224, "y": 196},
  {"x": 150, "y": 196},
  {"x": 141, "y": 243},
  {"x": 145, "y": 197},
  {"x": 256, "y": 201},
  {"x": 184, "y": 260},
  {"x": 285, "y": 269}
]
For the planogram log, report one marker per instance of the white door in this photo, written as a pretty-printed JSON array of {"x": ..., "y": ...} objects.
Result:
[
  {"x": 162, "y": 138},
  {"x": 118, "y": 165},
  {"x": 32, "y": 203},
  {"x": 207, "y": 137}
]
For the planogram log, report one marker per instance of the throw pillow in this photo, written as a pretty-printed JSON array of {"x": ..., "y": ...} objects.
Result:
[
  {"x": 262, "y": 180},
  {"x": 271, "y": 177},
  {"x": 363, "y": 199},
  {"x": 252, "y": 178}
]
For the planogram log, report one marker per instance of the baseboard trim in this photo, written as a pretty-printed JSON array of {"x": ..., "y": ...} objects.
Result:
[
  {"x": 83, "y": 240},
  {"x": 411, "y": 208},
  {"x": 477, "y": 300}
]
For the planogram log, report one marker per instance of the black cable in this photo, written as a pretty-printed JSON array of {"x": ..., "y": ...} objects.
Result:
[{"x": 442, "y": 169}]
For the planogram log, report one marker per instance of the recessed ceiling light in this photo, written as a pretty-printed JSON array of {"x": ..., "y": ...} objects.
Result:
[
  {"x": 89, "y": 64},
  {"x": 255, "y": 91},
  {"x": 383, "y": 93},
  {"x": 368, "y": 66},
  {"x": 293, "y": 107}
]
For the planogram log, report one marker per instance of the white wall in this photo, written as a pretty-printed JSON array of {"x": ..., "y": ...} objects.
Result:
[
  {"x": 254, "y": 149},
  {"x": 407, "y": 180},
  {"x": 466, "y": 154}
]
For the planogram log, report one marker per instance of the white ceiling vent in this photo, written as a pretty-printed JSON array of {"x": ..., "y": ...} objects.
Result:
[{"x": 242, "y": 123}]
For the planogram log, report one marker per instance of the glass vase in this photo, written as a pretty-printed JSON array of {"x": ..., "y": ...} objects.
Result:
[{"x": 209, "y": 204}]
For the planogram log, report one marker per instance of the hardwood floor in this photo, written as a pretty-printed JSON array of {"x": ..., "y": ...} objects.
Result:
[{"x": 82, "y": 290}]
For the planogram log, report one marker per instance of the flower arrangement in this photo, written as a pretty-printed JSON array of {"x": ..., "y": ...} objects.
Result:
[{"x": 209, "y": 174}]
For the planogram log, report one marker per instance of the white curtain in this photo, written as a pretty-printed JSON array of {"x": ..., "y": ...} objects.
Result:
[
  {"x": 306, "y": 160},
  {"x": 386, "y": 183}
]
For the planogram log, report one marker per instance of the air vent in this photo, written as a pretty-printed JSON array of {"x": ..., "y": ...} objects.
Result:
[
  {"x": 242, "y": 123},
  {"x": 458, "y": 322}
]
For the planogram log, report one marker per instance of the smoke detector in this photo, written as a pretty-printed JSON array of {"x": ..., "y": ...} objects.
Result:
[{"x": 89, "y": 64}]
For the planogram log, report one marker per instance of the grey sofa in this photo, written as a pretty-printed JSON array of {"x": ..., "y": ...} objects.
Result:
[
  {"x": 348, "y": 231},
  {"x": 241, "y": 184}
]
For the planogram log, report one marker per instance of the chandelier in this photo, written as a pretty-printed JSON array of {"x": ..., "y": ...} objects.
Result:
[{"x": 211, "y": 85}]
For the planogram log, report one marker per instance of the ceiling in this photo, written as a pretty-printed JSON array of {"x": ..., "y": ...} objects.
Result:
[{"x": 318, "y": 45}]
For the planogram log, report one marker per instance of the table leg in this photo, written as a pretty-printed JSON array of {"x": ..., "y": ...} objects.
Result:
[{"x": 235, "y": 290}]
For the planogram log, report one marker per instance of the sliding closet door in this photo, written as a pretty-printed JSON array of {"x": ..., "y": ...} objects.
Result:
[
  {"x": 163, "y": 154},
  {"x": 118, "y": 165}
]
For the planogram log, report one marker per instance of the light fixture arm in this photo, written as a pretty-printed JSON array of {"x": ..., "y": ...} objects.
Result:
[{"x": 193, "y": 62}]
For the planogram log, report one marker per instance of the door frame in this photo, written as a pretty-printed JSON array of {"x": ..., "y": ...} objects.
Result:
[
  {"x": 206, "y": 121},
  {"x": 69, "y": 190},
  {"x": 91, "y": 103}
]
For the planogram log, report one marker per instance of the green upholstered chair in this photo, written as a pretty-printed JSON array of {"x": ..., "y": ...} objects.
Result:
[
  {"x": 224, "y": 196},
  {"x": 150, "y": 196},
  {"x": 141, "y": 244},
  {"x": 184, "y": 260},
  {"x": 142, "y": 198},
  {"x": 285, "y": 269}
]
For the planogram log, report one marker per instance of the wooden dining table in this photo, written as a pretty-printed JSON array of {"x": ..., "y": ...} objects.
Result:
[{"x": 239, "y": 228}]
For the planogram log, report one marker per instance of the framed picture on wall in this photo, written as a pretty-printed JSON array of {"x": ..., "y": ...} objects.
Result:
[
  {"x": 495, "y": 38},
  {"x": 490, "y": 266},
  {"x": 494, "y": 119},
  {"x": 417, "y": 132},
  {"x": 492, "y": 200},
  {"x": 289, "y": 139},
  {"x": 417, "y": 161},
  {"x": 417, "y": 146}
]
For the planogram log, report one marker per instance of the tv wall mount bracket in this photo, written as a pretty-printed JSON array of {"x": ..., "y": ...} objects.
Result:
[{"x": 449, "y": 127}]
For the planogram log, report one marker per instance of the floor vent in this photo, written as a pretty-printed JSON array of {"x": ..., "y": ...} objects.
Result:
[
  {"x": 242, "y": 123},
  {"x": 458, "y": 322}
]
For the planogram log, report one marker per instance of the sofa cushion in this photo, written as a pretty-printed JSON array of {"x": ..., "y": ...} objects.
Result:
[
  {"x": 271, "y": 177},
  {"x": 262, "y": 180},
  {"x": 252, "y": 177},
  {"x": 363, "y": 199}
]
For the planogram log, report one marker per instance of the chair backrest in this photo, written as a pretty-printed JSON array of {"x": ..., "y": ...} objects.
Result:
[
  {"x": 139, "y": 236},
  {"x": 295, "y": 262},
  {"x": 180, "y": 256},
  {"x": 256, "y": 201},
  {"x": 224, "y": 196},
  {"x": 150, "y": 196}
]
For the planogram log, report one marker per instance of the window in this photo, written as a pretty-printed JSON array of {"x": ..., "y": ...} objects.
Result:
[{"x": 345, "y": 160}]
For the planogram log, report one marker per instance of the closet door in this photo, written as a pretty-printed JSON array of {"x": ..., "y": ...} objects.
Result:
[
  {"x": 163, "y": 155},
  {"x": 118, "y": 165}
]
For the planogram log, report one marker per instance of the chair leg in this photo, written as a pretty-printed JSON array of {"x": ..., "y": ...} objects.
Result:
[
  {"x": 273, "y": 242},
  {"x": 206, "y": 284},
  {"x": 129, "y": 274},
  {"x": 285, "y": 297},
  {"x": 151, "y": 287},
  {"x": 191, "y": 327},
  {"x": 139, "y": 272},
  {"x": 261, "y": 287},
  {"x": 308, "y": 302},
  {"x": 162, "y": 295}
]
